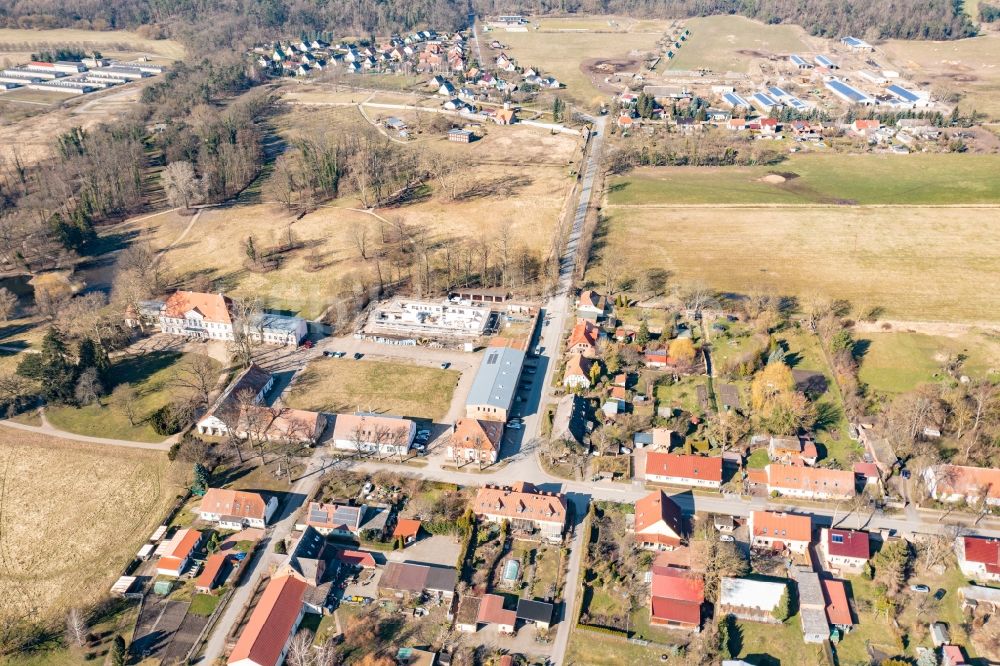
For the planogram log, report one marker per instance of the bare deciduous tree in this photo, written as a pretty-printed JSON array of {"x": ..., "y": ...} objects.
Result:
[
  {"x": 125, "y": 399},
  {"x": 76, "y": 628},
  {"x": 196, "y": 376},
  {"x": 248, "y": 329},
  {"x": 88, "y": 387},
  {"x": 182, "y": 187},
  {"x": 8, "y": 303}
]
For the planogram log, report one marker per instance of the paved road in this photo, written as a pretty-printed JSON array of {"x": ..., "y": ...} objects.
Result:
[{"x": 264, "y": 559}]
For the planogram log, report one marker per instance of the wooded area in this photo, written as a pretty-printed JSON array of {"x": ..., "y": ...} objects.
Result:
[{"x": 225, "y": 23}]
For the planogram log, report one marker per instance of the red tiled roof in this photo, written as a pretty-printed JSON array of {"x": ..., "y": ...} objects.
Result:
[
  {"x": 479, "y": 435},
  {"x": 785, "y": 526},
  {"x": 684, "y": 612},
  {"x": 240, "y": 503},
  {"x": 358, "y": 558},
  {"x": 813, "y": 479},
  {"x": 213, "y": 565},
  {"x": 656, "y": 507},
  {"x": 213, "y": 307},
  {"x": 704, "y": 468},
  {"x": 678, "y": 584},
  {"x": 584, "y": 333},
  {"x": 838, "y": 611},
  {"x": 491, "y": 611},
  {"x": 982, "y": 551},
  {"x": 271, "y": 623},
  {"x": 850, "y": 543},
  {"x": 867, "y": 470},
  {"x": 952, "y": 655},
  {"x": 406, "y": 528}
]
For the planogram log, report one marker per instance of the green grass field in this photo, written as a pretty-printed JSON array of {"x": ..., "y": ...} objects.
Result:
[
  {"x": 895, "y": 362},
  {"x": 342, "y": 385},
  {"x": 919, "y": 179},
  {"x": 781, "y": 642},
  {"x": 150, "y": 375},
  {"x": 727, "y": 43}
]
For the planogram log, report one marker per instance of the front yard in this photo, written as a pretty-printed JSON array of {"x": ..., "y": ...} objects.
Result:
[{"x": 346, "y": 385}]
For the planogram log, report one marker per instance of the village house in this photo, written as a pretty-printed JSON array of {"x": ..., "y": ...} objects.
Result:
[
  {"x": 249, "y": 387},
  {"x": 955, "y": 483},
  {"x": 659, "y": 523},
  {"x": 592, "y": 305},
  {"x": 491, "y": 611},
  {"x": 406, "y": 530},
  {"x": 751, "y": 600},
  {"x": 175, "y": 554},
  {"x": 979, "y": 558},
  {"x": 209, "y": 316},
  {"x": 408, "y": 580},
  {"x": 951, "y": 655},
  {"x": 505, "y": 116},
  {"x": 788, "y": 449},
  {"x": 373, "y": 434},
  {"x": 237, "y": 509},
  {"x": 676, "y": 598},
  {"x": 268, "y": 633},
  {"x": 684, "y": 469},
  {"x": 780, "y": 531},
  {"x": 475, "y": 440},
  {"x": 215, "y": 567},
  {"x": 846, "y": 551},
  {"x": 810, "y": 482},
  {"x": 341, "y": 520},
  {"x": 526, "y": 508},
  {"x": 577, "y": 372},
  {"x": 583, "y": 339}
]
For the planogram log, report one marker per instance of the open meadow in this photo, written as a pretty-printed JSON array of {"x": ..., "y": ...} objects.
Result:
[
  {"x": 516, "y": 175},
  {"x": 344, "y": 385},
  {"x": 729, "y": 43},
  {"x": 563, "y": 54},
  {"x": 731, "y": 230},
  {"x": 71, "y": 516},
  {"x": 919, "y": 179},
  {"x": 16, "y": 42},
  {"x": 897, "y": 361}
]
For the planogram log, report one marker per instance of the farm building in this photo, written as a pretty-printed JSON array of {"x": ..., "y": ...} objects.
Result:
[
  {"x": 764, "y": 102},
  {"x": 735, "y": 101},
  {"x": 460, "y": 135},
  {"x": 495, "y": 384},
  {"x": 753, "y": 600},
  {"x": 812, "y": 606},
  {"x": 823, "y": 61},
  {"x": 848, "y": 93},
  {"x": 799, "y": 62},
  {"x": 907, "y": 96},
  {"x": 857, "y": 45}
]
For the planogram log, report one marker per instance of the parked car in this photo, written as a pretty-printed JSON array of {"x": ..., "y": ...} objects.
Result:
[
  {"x": 357, "y": 355},
  {"x": 369, "y": 487},
  {"x": 308, "y": 344},
  {"x": 923, "y": 589},
  {"x": 419, "y": 447},
  {"x": 445, "y": 365},
  {"x": 329, "y": 354},
  {"x": 538, "y": 350},
  {"x": 905, "y": 473},
  {"x": 514, "y": 426},
  {"x": 726, "y": 537}
]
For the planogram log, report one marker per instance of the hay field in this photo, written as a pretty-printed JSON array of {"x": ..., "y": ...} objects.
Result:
[
  {"x": 933, "y": 263},
  {"x": 967, "y": 66},
  {"x": 562, "y": 54},
  {"x": 834, "y": 178},
  {"x": 730, "y": 43},
  {"x": 71, "y": 516},
  {"x": 536, "y": 162},
  {"x": 345, "y": 385}
]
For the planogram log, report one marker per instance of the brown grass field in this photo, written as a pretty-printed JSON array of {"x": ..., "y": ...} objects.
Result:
[
  {"x": 342, "y": 385},
  {"x": 921, "y": 263},
  {"x": 71, "y": 517},
  {"x": 729, "y": 43},
  {"x": 535, "y": 160},
  {"x": 562, "y": 54},
  {"x": 967, "y": 66},
  {"x": 13, "y": 40}
]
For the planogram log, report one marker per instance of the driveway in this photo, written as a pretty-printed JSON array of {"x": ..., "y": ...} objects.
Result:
[{"x": 435, "y": 549}]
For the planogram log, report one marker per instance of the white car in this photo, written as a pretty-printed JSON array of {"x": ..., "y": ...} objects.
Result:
[
  {"x": 367, "y": 490},
  {"x": 514, "y": 426},
  {"x": 726, "y": 537}
]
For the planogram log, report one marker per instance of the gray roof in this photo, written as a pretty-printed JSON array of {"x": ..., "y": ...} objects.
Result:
[
  {"x": 276, "y": 322},
  {"x": 497, "y": 377},
  {"x": 536, "y": 611},
  {"x": 749, "y": 593},
  {"x": 441, "y": 579}
]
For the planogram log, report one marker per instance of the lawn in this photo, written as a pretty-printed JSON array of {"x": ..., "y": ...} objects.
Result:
[
  {"x": 682, "y": 395},
  {"x": 783, "y": 642},
  {"x": 97, "y": 507},
  {"x": 562, "y": 55},
  {"x": 203, "y": 604},
  {"x": 345, "y": 385},
  {"x": 759, "y": 459},
  {"x": 919, "y": 179},
  {"x": 940, "y": 264},
  {"x": 728, "y": 43},
  {"x": 896, "y": 362},
  {"x": 588, "y": 648},
  {"x": 150, "y": 375}
]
